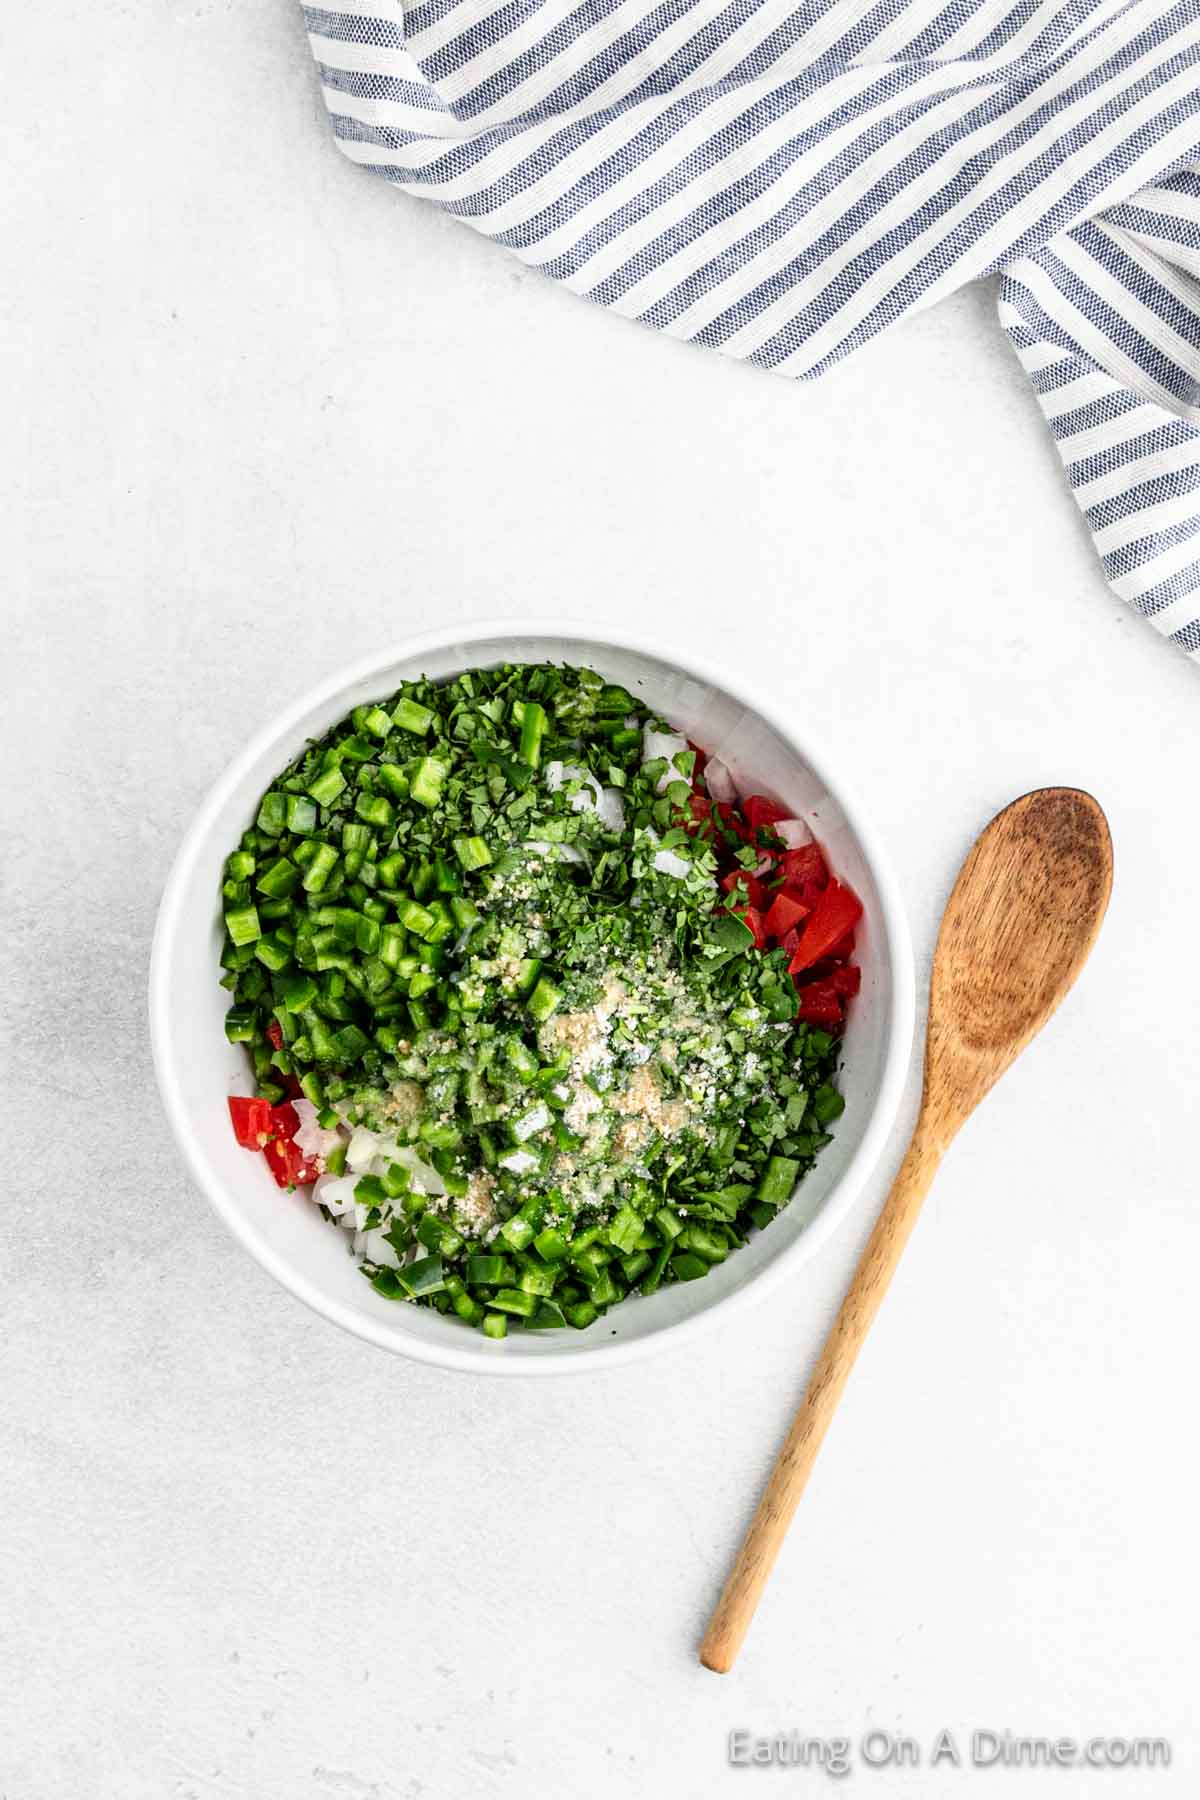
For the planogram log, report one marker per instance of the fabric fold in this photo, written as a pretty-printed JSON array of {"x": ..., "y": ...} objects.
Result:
[{"x": 781, "y": 182}]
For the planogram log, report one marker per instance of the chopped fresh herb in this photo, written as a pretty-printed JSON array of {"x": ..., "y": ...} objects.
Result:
[{"x": 537, "y": 1006}]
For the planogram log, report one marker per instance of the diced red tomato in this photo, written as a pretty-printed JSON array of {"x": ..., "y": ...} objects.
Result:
[
  {"x": 306, "y": 1169},
  {"x": 251, "y": 1121},
  {"x": 810, "y": 892},
  {"x": 275, "y": 1034},
  {"x": 258, "y": 1125},
  {"x": 784, "y": 913},
  {"x": 700, "y": 807},
  {"x": 818, "y": 971},
  {"x": 763, "y": 813},
  {"x": 287, "y": 1164},
  {"x": 750, "y": 915},
  {"x": 835, "y": 913},
  {"x": 277, "y": 1161},
  {"x": 703, "y": 811},
  {"x": 821, "y": 1005},
  {"x": 809, "y": 914},
  {"x": 750, "y": 887},
  {"x": 729, "y": 816},
  {"x": 285, "y": 1119},
  {"x": 804, "y": 866}
]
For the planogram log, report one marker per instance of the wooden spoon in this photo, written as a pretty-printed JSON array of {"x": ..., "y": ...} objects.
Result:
[{"x": 1023, "y": 916}]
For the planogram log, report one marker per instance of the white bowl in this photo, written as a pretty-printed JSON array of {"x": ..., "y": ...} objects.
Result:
[{"x": 197, "y": 1069}]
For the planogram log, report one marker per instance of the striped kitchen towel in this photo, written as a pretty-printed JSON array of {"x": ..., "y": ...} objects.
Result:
[{"x": 780, "y": 180}]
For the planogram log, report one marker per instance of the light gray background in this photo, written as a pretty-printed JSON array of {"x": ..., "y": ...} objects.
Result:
[{"x": 263, "y": 413}]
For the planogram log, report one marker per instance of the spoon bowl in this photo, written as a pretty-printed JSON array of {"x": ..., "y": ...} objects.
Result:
[{"x": 1017, "y": 929}]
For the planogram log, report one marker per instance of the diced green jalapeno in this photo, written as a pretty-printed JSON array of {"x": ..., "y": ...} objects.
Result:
[
  {"x": 407, "y": 715},
  {"x": 429, "y": 780},
  {"x": 585, "y": 1072},
  {"x": 327, "y": 786}
]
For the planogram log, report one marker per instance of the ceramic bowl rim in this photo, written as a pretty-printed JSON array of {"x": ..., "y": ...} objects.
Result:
[{"x": 281, "y": 731}]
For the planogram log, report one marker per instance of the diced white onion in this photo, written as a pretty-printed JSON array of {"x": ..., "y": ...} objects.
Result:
[
  {"x": 611, "y": 809},
  {"x": 663, "y": 743},
  {"x": 794, "y": 832},
  {"x": 370, "y": 1152},
  {"x": 605, "y": 802},
  {"x": 520, "y": 1162},
  {"x": 536, "y": 1119},
  {"x": 425, "y": 1179},
  {"x": 336, "y": 1192},
  {"x": 362, "y": 1147},
  {"x": 376, "y": 1249},
  {"x": 669, "y": 862},
  {"x": 763, "y": 865},
  {"x": 311, "y": 1138},
  {"x": 588, "y": 798},
  {"x": 718, "y": 780},
  {"x": 570, "y": 853}
]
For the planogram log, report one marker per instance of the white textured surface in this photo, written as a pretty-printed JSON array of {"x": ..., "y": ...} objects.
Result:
[{"x": 260, "y": 413}]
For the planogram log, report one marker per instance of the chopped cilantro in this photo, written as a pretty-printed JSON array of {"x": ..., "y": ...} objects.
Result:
[{"x": 472, "y": 921}]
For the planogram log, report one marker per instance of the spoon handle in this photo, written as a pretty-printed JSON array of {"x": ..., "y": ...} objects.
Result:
[{"x": 735, "y": 1609}]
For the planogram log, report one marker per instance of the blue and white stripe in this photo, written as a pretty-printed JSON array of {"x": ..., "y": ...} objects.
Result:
[{"x": 780, "y": 179}]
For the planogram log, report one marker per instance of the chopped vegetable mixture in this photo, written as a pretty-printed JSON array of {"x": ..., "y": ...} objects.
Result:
[{"x": 536, "y": 1008}]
